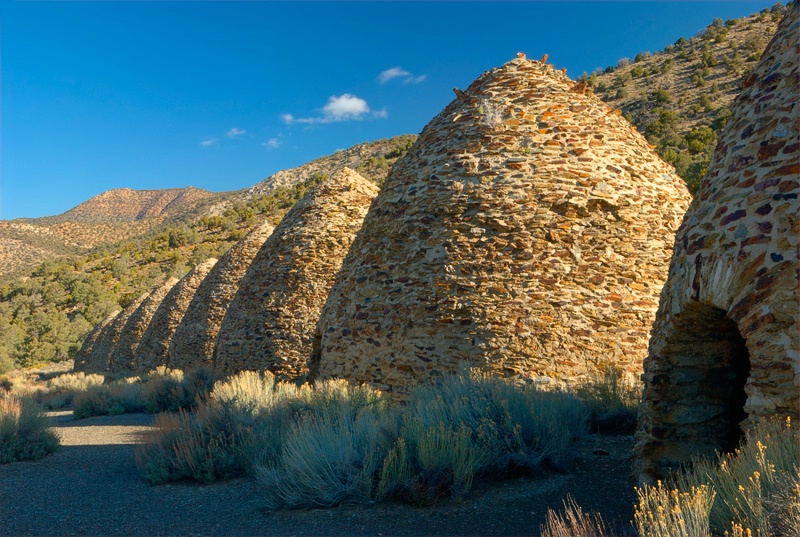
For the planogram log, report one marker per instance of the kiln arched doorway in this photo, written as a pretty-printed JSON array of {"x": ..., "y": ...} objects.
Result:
[{"x": 698, "y": 395}]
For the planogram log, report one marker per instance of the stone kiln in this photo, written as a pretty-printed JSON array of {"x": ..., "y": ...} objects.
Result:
[
  {"x": 153, "y": 347},
  {"x": 192, "y": 344},
  {"x": 270, "y": 323},
  {"x": 724, "y": 346},
  {"x": 86, "y": 359},
  {"x": 121, "y": 356},
  {"x": 98, "y": 354},
  {"x": 527, "y": 232}
]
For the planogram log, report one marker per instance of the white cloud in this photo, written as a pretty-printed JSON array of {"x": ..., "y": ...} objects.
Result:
[
  {"x": 234, "y": 132},
  {"x": 399, "y": 72},
  {"x": 208, "y": 142},
  {"x": 272, "y": 143},
  {"x": 415, "y": 79},
  {"x": 394, "y": 72},
  {"x": 345, "y": 107}
]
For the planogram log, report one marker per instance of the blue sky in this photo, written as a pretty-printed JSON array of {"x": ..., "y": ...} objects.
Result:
[{"x": 220, "y": 95}]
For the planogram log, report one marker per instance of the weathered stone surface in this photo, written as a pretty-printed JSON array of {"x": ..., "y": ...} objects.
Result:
[
  {"x": 153, "y": 347},
  {"x": 192, "y": 344},
  {"x": 98, "y": 359},
  {"x": 527, "y": 232},
  {"x": 270, "y": 323},
  {"x": 724, "y": 346},
  {"x": 87, "y": 359},
  {"x": 121, "y": 356}
]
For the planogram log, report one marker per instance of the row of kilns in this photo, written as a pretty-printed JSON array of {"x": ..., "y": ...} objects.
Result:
[{"x": 527, "y": 233}]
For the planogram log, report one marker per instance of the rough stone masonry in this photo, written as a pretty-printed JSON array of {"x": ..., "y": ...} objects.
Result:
[
  {"x": 527, "y": 232},
  {"x": 122, "y": 354},
  {"x": 152, "y": 350},
  {"x": 270, "y": 323},
  {"x": 95, "y": 355},
  {"x": 724, "y": 349},
  {"x": 192, "y": 344}
]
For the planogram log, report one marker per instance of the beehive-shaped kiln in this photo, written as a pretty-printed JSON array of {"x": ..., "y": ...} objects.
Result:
[
  {"x": 153, "y": 347},
  {"x": 98, "y": 358},
  {"x": 192, "y": 344},
  {"x": 725, "y": 342},
  {"x": 121, "y": 356},
  {"x": 87, "y": 357},
  {"x": 270, "y": 323},
  {"x": 527, "y": 232}
]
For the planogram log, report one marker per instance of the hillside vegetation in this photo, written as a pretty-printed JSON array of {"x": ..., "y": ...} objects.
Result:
[
  {"x": 679, "y": 98},
  {"x": 45, "y": 315}
]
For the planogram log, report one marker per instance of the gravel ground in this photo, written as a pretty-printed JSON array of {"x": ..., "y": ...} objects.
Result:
[{"x": 92, "y": 487}]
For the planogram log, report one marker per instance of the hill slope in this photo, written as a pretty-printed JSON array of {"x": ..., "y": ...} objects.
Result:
[{"x": 680, "y": 97}]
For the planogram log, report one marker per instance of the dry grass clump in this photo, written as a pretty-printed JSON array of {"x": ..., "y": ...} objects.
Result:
[
  {"x": 751, "y": 482},
  {"x": 24, "y": 430},
  {"x": 613, "y": 402},
  {"x": 669, "y": 512},
  {"x": 573, "y": 523}
]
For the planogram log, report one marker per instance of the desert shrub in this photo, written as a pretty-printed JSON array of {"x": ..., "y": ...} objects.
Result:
[
  {"x": 748, "y": 481},
  {"x": 330, "y": 456},
  {"x": 24, "y": 430},
  {"x": 335, "y": 443},
  {"x": 612, "y": 400},
  {"x": 242, "y": 417},
  {"x": 189, "y": 445},
  {"x": 573, "y": 523},
  {"x": 118, "y": 397},
  {"x": 160, "y": 390},
  {"x": 60, "y": 391},
  {"x": 474, "y": 425},
  {"x": 666, "y": 512}
]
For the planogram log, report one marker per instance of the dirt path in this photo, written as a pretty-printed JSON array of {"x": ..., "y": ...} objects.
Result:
[{"x": 92, "y": 487}]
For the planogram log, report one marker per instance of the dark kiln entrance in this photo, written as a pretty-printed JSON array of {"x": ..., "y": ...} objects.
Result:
[{"x": 698, "y": 396}]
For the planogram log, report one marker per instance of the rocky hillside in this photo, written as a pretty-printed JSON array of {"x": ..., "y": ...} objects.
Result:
[
  {"x": 125, "y": 214},
  {"x": 371, "y": 160},
  {"x": 105, "y": 219},
  {"x": 680, "y": 97},
  {"x": 126, "y": 205}
]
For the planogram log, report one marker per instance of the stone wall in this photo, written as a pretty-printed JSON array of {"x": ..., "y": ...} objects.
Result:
[
  {"x": 192, "y": 344},
  {"x": 527, "y": 232},
  {"x": 121, "y": 356},
  {"x": 724, "y": 349},
  {"x": 270, "y": 323},
  {"x": 153, "y": 347},
  {"x": 98, "y": 358},
  {"x": 87, "y": 359}
]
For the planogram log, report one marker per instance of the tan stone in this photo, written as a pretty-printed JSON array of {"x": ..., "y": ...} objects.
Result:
[
  {"x": 87, "y": 358},
  {"x": 121, "y": 356},
  {"x": 192, "y": 344},
  {"x": 270, "y": 323},
  {"x": 98, "y": 359},
  {"x": 507, "y": 239},
  {"x": 152, "y": 349},
  {"x": 724, "y": 350}
]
